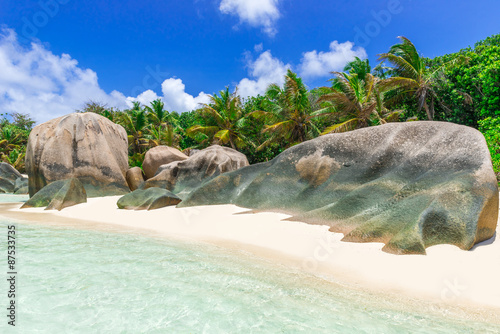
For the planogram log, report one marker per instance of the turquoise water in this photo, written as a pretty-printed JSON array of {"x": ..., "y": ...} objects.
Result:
[
  {"x": 5, "y": 198},
  {"x": 81, "y": 281}
]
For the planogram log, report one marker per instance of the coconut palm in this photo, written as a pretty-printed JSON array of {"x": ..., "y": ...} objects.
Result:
[
  {"x": 134, "y": 121},
  {"x": 163, "y": 135},
  {"x": 359, "y": 67},
  {"x": 162, "y": 125},
  {"x": 356, "y": 102},
  {"x": 410, "y": 77},
  {"x": 158, "y": 116},
  {"x": 225, "y": 120},
  {"x": 288, "y": 112}
]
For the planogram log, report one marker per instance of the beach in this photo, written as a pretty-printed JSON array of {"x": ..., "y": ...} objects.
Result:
[{"x": 447, "y": 275}]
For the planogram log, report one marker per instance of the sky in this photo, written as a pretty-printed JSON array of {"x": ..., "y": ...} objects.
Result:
[{"x": 55, "y": 55}]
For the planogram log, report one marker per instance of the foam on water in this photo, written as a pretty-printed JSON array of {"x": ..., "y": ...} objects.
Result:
[{"x": 80, "y": 281}]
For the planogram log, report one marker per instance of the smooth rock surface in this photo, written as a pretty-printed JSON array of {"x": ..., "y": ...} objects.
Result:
[
  {"x": 83, "y": 145},
  {"x": 408, "y": 185},
  {"x": 21, "y": 186},
  {"x": 160, "y": 155},
  {"x": 58, "y": 195},
  {"x": 181, "y": 177},
  {"x": 8, "y": 177},
  {"x": 135, "y": 177},
  {"x": 148, "y": 199}
]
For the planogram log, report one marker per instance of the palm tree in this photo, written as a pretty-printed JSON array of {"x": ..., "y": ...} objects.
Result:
[
  {"x": 164, "y": 135},
  {"x": 356, "y": 102},
  {"x": 225, "y": 120},
  {"x": 100, "y": 109},
  {"x": 10, "y": 139},
  {"x": 359, "y": 67},
  {"x": 162, "y": 124},
  {"x": 289, "y": 111},
  {"x": 410, "y": 77},
  {"x": 134, "y": 121}
]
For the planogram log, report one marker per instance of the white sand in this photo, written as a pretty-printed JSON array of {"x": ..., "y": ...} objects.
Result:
[{"x": 446, "y": 274}]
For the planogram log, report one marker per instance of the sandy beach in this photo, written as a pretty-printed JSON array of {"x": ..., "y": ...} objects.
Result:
[{"x": 446, "y": 275}]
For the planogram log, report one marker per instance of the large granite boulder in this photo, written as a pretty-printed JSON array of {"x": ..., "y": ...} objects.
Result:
[
  {"x": 8, "y": 177},
  {"x": 58, "y": 195},
  {"x": 83, "y": 145},
  {"x": 134, "y": 177},
  {"x": 148, "y": 199},
  {"x": 409, "y": 185},
  {"x": 181, "y": 177},
  {"x": 160, "y": 155}
]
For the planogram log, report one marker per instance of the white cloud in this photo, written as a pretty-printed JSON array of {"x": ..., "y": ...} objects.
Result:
[
  {"x": 257, "y": 13},
  {"x": 35, "y": 81},
  {"x": 265, "y": 70},
  {"x": 145, "y": 98},
  {"x": 319, "y": 64},
  {"x": 258, "y": 47},
  {"x": 176, "y": 98}
]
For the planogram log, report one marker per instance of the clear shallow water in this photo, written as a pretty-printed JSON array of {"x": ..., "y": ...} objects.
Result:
[
  {"x": 6, "y": 198},
  {"x": 79, "y": 281}
]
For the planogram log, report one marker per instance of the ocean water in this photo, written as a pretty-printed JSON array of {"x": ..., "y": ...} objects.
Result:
[{"x": 73, "y": 280}]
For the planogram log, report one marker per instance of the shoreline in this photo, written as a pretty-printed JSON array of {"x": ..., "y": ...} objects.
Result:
[{"x": 466, "y": 281}]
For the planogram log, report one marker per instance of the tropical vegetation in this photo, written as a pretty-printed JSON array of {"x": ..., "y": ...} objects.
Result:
[{"x": 462, "y": 87}]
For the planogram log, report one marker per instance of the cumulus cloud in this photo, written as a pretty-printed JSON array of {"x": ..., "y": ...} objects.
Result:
[
  {"x": 174, "y": 96},
  {"x": 320, "y": 64},
  {"x": 145, "y": 98},
  {"x": 263, "y": 71},
  {"x": 33, "y": 80},
  {"x": 257, "y": 13}
]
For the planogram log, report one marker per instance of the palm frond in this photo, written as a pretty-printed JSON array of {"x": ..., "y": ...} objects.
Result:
[{"x": 342, "y": 127}]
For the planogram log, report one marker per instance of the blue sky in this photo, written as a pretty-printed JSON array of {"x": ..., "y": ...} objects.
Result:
[{"x": 57, "y": 54}]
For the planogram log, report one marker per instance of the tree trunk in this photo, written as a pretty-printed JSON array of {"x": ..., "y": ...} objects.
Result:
[
  {"x": 430, "y": 115},
  {"x": 231, "y": 142}
]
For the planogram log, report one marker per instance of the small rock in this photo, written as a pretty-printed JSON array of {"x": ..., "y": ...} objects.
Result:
[
  {"x": 160, "y": 155},
  {"x": 58, "y": 195},
  {"x": 181, "y": 177},
  {"x": 21, "y": 186},
  {"x": 8, "y": 178},
  {"x": 148, "y": 199},
  {"x": 135, "y": 177}
]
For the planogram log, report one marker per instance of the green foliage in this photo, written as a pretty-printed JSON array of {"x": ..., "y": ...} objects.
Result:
[
  {"x": 14, "y": 131},
  {"x": 359, "y": 67},
  {"x": 410, "y": 78},
  {"x": 224, "y": 121},
  {"x": 257, "y": 135},
  {"x": 186, "y": 120},
  {"x": 469, "y": 85},
  {"x": 354, "y": 102},
  {"x": 16, "y": 159},
  {"x": 136, "y": 160},
  {"x": 490, "y": 127},
  {"x": 288, "y": 113},
  {"x": 462, "y": 87}
]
